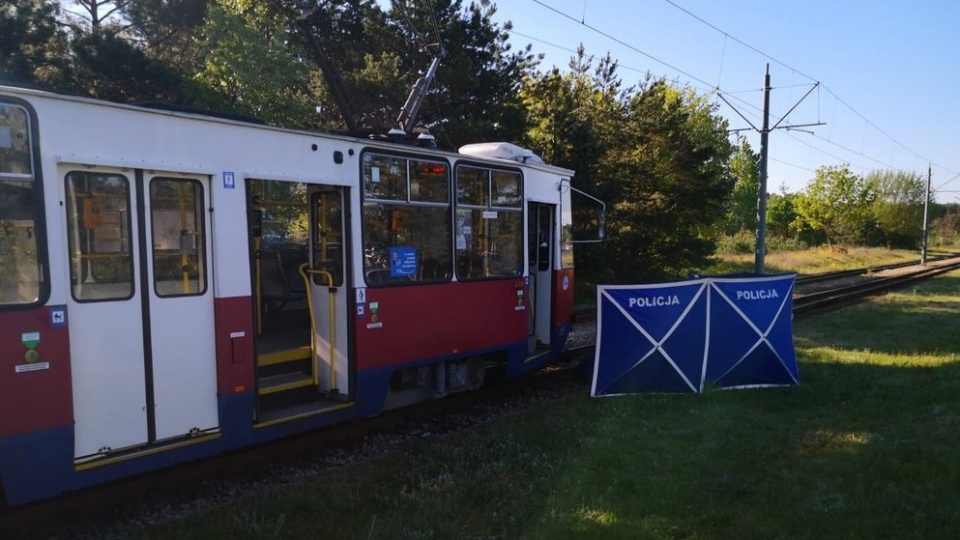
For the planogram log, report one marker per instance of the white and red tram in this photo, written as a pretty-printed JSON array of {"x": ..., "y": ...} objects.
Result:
[{"x": 173, "y": 285}]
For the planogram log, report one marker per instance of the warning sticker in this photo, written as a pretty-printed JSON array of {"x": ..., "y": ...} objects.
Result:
[{"x": 23, "y": 368}]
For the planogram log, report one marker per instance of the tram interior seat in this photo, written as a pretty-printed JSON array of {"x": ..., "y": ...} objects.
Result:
[{"x": 280, "y": 280}]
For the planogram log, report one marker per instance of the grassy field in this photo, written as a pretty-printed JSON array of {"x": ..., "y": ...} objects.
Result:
[
  {"x": 821, "y": 259},
  {"x": 868, "y": 446},
  {"x": 809, "y": 261}
]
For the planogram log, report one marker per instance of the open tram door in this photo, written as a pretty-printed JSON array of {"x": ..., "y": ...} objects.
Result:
[
  {"x": 540, "y": 253},
  {"x": 298, "y": 261},
  {"x": 325, "y": 280}
]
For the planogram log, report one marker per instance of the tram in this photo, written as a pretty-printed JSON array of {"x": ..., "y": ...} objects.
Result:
[{"x": 174, "y": 285}]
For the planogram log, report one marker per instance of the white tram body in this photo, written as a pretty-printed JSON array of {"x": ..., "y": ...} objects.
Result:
[{"x": 174, "y": 285}]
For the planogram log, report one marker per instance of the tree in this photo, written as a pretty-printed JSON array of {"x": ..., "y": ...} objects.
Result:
[
  {"x": 574, "y": 120},
  {"x": 31, "y": 46},
  {"x": 107, "y": 63},
  {"x": 836, "y": 203},
  {"x": 741, "y": 212},
  {"x": 898, "y": 208},
  {"x": 475, "y": 95},
  {"x": 248, "y": 63},
  {"x": 672, "y": 184},
  {"x": 781, "y": 212}
]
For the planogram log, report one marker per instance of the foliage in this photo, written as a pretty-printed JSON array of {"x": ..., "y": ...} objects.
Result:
[
  {"x": 31, "y": 46},
  {"x": 672, "y": 182},
  {"x": 574, "y": 121},
  {"x": 246, "y": 62},
  {"x": 740, "y": 242},
  {"x": 656, "y": 154},
  {"x": 898, "y": 208},
  {"x": 168, "y": 30},
  {"x": 945, "y": 228},
  {"x": 475, "y": 95},
  {"x": 836, "y": 203},
  {"x": 781, "y": 213},
  {"x": 741, "y": 210}
]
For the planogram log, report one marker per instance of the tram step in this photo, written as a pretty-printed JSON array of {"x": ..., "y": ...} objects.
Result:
[
  {"x": 286, "y": 355},
  {"x": 283, "y": 382}
]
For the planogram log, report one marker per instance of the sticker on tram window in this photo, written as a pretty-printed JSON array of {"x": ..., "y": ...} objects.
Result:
[{"x": 403, "y": 261}]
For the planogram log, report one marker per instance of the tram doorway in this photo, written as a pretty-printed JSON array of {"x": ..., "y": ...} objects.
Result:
[
  {"x": 298, "y": 258},
  {"x": 540, "y": 254}
]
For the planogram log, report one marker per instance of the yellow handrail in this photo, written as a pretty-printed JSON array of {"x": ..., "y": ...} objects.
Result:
[{"x": 306, "y": 272}]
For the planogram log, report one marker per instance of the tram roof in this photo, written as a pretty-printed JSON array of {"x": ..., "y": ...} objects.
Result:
[{"x": 190, "y": 113}]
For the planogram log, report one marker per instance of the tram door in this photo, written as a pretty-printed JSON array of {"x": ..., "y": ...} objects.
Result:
[
  {"x": 328, "y": 292},
  {"x": 540, "y": 241},
  {"x": 140, "y": 310}
]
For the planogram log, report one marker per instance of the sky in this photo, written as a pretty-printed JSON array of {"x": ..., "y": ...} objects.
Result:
[{"x": 888, "y": 72}]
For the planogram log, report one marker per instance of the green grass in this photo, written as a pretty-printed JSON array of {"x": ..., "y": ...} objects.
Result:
[
  {"x": 814, "y": 260},
  {"x": 868, "y": 446}
]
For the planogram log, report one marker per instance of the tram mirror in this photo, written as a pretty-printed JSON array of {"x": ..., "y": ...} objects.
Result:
[{"x": 589, "y": 218}]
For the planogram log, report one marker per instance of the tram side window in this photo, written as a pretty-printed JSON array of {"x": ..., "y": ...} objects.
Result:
[
  {"x": 20, "y": 277},
  {"x": 179, "y": 261},
  {"x": 406, "y": 220},
  {"x": 328, "y": 238},
  {"x": 98, "y": 227},
  {"x": 489, "y": 223}
]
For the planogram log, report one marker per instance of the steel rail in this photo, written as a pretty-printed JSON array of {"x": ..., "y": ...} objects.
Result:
[
  {"x": 826, "y": 276},
  {"x": 812, "y": 302},
  {"x": 845, "y": 295}
]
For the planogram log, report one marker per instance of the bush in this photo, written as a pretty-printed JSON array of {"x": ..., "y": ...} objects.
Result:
[
  {"x": 786, "y": 243},
  {"x": 742, "y": 242}
]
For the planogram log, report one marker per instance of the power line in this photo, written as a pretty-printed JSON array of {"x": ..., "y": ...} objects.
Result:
[
  {"x": 794, "y": 165},
  {"x": 734, "y": 38},
  {"x": 625, "y": 44},
  {"x": 716, "y": 88},
  {"x": 834, "y": 94}
]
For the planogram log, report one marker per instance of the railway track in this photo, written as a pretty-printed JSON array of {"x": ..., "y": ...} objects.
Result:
[
  {"x": 870, "y": 286},
  {"x": 829, "y": 290}
]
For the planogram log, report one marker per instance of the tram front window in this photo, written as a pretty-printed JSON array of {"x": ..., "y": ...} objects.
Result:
[{"x": 21, "y": 279}]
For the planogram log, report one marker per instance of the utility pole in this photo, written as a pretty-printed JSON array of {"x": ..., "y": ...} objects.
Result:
[
  {"x": 761, "y": 245},
  {"x": 762, "y": 190},
  {"x": 926, "y": 214}
]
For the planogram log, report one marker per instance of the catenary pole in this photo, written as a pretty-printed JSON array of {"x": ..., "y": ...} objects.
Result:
[
  {"x": 926, "y": 215},
  {"x": 762, "y": 190}
]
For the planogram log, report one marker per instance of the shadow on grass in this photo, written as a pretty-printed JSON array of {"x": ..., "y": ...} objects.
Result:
[{"x": 856, "y": 451}]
